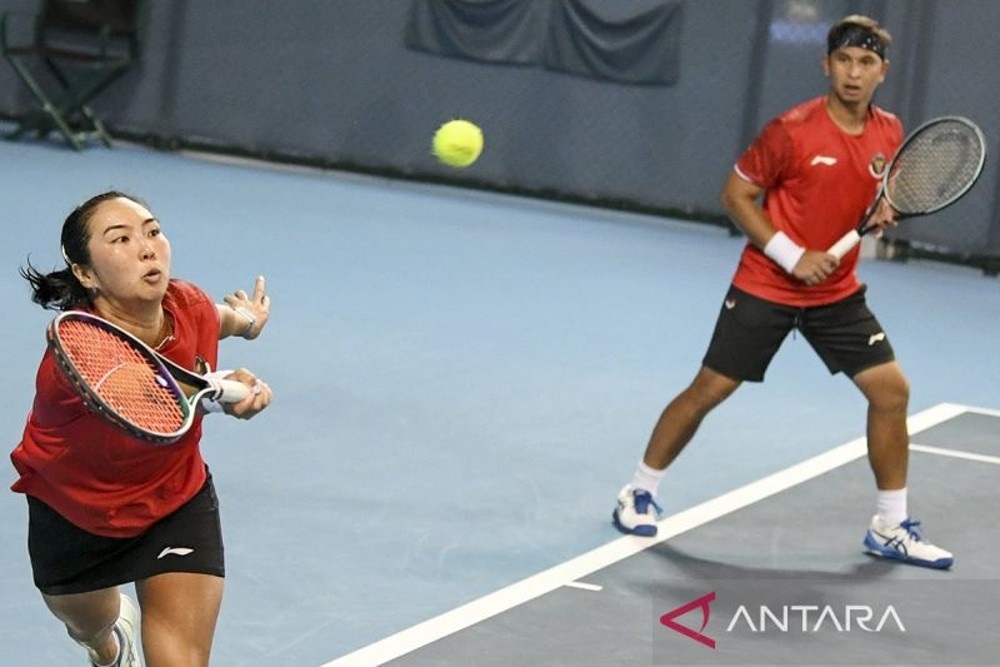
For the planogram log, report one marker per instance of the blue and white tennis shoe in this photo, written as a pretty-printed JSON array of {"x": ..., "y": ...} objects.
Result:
[
  {"x": 636, "y": 513},
  {"x": 903, "y": 542}
]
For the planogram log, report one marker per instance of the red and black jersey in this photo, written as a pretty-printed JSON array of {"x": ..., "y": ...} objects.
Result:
[
  {"x": 818, "y": 182},
  {"x": 99, "y": 478}
]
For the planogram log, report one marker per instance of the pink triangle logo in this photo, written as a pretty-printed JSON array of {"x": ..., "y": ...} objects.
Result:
[{"x": 701, "y": 603}]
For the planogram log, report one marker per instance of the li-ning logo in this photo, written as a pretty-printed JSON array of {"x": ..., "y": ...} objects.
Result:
[
  {"x": 823, "y": 159},
  {"x": 876, "y": 338},
  {"x": 176, "y": 551},
  {"x": 701, "y": 603}
]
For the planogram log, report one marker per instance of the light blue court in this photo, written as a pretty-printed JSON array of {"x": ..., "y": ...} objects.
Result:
[{"x": 463, "y": 381}]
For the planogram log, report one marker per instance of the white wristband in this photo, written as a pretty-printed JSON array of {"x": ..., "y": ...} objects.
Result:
[{"x": 785, "y": 252}]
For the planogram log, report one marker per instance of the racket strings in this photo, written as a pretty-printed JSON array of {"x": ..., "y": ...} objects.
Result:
[
  {"x": 122, "y": 378},
  {"x": 934, "y": 168}
]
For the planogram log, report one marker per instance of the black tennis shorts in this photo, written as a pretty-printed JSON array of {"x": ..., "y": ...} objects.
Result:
[
  {"x": 749, "y": 331},
  {"x": 66, "y": 559}
]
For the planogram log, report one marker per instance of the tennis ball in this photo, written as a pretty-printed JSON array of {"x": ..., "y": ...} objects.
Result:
[{"x": 458, "y": 143}]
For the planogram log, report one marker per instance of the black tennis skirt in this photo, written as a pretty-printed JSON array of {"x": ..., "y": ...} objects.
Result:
[{"x": 66, "y": 559}]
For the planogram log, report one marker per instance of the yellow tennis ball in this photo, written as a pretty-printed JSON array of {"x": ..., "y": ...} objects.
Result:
[{"x": 458, "y": 143}]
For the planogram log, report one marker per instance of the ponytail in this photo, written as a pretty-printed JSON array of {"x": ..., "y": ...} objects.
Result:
[{"x": 61, "y": 290}]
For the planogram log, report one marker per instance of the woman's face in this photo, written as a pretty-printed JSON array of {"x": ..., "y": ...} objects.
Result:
[{"x": 129, "y": 255}]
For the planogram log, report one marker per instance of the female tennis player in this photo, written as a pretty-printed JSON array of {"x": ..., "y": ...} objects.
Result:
[
  {"x": 817, "y": 167},
  {"x": 106, "y": 509}
]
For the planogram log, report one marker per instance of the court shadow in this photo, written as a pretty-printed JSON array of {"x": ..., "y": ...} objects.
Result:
[{"x": 702, "y": 567}]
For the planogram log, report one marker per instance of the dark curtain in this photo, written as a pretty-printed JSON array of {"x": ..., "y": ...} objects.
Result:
[
  {"x": 640, "y": 49},
  {"x": 499, "y": 31}
]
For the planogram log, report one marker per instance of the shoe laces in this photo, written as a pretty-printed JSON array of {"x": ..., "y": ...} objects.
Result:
[
  {"x": 643, "y": 499},
  {"x": 911, "y": 527}
]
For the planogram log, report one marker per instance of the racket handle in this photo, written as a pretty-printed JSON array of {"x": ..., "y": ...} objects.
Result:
[
  {"x": 845, "y": 244},
  {"x": 232, "y": 391},
  {"x": 222, "y": 391}
]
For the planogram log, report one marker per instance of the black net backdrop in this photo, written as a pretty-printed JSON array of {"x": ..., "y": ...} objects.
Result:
[{"x": 644, "y": 104}]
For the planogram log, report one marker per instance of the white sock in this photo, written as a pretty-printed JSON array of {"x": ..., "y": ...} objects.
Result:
[
  {"x": 891, "y": 506},
  {"x": 647, "y": 478}
]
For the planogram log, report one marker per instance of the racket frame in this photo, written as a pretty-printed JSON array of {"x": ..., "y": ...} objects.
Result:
[
  {"x": 171, "y": 373},
  {"x": 853, "y": 237}
]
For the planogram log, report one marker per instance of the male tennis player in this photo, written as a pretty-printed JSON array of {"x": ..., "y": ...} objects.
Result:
[{"x": 817, "y": 167}]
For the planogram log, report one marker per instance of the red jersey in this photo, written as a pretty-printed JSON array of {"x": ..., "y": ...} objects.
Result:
[
  {"x": 819, "y": 180},
  {"x": 99, "y": 478}
]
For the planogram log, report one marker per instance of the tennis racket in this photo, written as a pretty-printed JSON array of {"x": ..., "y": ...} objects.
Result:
[
  {"x": 936, "y": 165},
  {"x": 129, "y": 384}
]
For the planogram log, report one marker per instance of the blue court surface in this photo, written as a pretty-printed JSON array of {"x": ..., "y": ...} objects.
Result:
[{"x": 464, "y": 380}]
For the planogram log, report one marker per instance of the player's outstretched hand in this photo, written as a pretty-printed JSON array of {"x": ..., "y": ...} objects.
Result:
[{"x": 255, "y": 309}]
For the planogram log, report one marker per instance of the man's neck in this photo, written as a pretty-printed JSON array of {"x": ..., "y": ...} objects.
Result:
[{"x": 850, "y": 118}]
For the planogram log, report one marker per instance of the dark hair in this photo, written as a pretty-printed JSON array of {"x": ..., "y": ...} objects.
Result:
[
  {"x": 858, "y": 30},
  {"x": 60, "y": 289}
]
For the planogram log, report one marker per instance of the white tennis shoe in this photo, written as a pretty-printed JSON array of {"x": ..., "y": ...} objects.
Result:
[
  {"x": 126, "y": 629},
  {"x": 636, "y": 513},
  {"x": 903, "y": 542}
]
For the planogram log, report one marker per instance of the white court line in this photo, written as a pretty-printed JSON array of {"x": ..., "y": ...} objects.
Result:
[
  {"x": 984, "y": 411},
  {"x": 584, "y": 586},
  {"x": 535, "y": 586},
  {"x": 956, "y": 454}
]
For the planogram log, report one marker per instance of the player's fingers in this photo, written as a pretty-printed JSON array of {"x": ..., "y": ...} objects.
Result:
[
  {"x": 244, "y": 376},
  {"x": 259, "y": 398},
  {"x": 262, "y": 395},
  {"x": 820, "y": 272},
  {"x": 258, "y": 289}
]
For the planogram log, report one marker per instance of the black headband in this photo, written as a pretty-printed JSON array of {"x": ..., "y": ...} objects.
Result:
[{"x": 856, "y": 35}]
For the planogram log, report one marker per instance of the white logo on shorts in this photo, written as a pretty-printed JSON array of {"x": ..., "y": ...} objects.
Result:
[
  {"x": 176, "y": 551},
  {"x": 874, "y": 338}
]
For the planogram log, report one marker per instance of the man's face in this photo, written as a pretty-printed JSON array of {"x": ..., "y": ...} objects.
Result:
[{"x": 854, "y": 74}]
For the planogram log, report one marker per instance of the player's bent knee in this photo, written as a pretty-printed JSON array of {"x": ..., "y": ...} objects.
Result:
[
  {"x": 884, "y": 386},
  {"x": 709, "y": 389}
]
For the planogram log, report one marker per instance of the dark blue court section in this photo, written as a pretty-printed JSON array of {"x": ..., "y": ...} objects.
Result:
[{"x": 797, "y": 554}]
